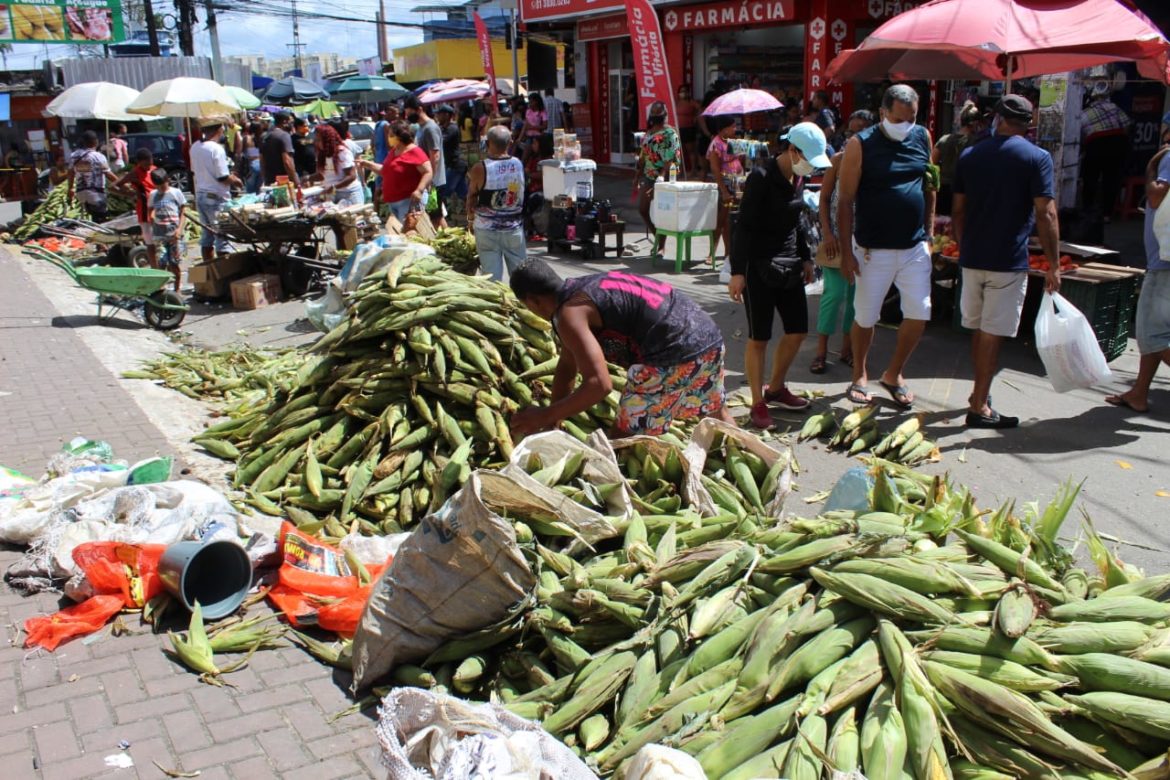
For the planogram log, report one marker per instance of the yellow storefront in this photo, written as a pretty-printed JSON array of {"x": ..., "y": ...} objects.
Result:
[{"x": 454, "y": 58}]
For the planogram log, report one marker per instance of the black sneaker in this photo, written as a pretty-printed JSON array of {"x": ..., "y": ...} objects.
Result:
[{"x": 993, "y": 420}]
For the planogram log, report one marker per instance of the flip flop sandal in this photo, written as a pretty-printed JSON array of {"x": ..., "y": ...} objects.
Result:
[
  {"x": 899, "y": 393},
  {"x": 818, "y": 365},
  {"x": 858, "y": 395},
  {"x": 1122, "y": 401}
]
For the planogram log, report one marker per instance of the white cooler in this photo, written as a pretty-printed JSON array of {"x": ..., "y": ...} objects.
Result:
[
  {"x": 573, "y": 178},
  {"x": 685, "y": 206}
]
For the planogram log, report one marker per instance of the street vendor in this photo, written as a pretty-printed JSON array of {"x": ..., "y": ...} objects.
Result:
[
  {"x": 671, "y": 349},
  {"x": 138, "y": 181},
  {"x": 213, "y": 183},
  {"x": 660, "y": 150},
  {"x": 91, "y": 172},
  {"x": 335, "y": 166}
]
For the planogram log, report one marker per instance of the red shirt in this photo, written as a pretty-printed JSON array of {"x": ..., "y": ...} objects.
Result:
[
  {"x": 400, "y": 176},
  {"x": 143, "y": 186}
]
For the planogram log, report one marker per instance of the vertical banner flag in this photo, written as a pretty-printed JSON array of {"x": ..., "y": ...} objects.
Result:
[
  {"x": 651, "y": 75},
  {"x": 485, "y": 54}
]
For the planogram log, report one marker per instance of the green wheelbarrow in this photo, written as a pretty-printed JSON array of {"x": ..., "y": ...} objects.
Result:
[{"x": 124, "y": 289}]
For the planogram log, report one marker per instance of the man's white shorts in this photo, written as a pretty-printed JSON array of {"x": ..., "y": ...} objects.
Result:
[
  {"x": 993, "y": 300},
  {"x": 909, "y": 269}
]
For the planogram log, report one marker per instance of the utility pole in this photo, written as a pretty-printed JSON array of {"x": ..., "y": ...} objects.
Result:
[
  {"x": 383, "y": 44},
  {"x": 213, "y": 31},
  {"x": 296, "y": 44},
  {"x": 515, "y": 57},
  {"x": 151, "y": 27},
  {"x": 186, "y": 12}
]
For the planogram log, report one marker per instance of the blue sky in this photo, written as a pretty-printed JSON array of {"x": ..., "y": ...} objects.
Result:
[{"x": 251, "y": 34}]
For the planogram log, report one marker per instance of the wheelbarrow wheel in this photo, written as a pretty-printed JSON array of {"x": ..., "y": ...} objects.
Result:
[
  {"x": 161, "y": 318},
  {"x": 137, "y": 257}
]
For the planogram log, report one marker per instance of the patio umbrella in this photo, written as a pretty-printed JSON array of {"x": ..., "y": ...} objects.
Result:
[
  {"x": 184, "y": 97},
  {"x": 293, "y": 90},
  {"x": 742, "y": 101},
  {"x": 95, "y": 100},
  {"x": 318, "y": 108},
  {"x": 369, "y": 89},
  {"x": 454, "y": 92},
  {"x": 1005, "y": 39},
  {"x": 245, "y": 98}
]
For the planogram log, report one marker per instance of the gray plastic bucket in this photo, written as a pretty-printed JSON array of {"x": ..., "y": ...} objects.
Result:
[{"x": 217, "y": 574}]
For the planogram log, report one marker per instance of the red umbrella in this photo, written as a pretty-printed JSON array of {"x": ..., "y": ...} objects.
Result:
[{"x": 997, "y": 39}]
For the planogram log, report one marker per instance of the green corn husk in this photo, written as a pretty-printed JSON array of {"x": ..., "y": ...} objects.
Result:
[
  {"x": 1111, "y": 637},
  {"x": 803, "y": 761},
  {"x": 1138, "y": 713},
  {"x": 1003, "y": 672},
  {"x": 1106, "y": 672},
  {"x": 1013, "y": 715},
  {"x": 883, "y": 737}
]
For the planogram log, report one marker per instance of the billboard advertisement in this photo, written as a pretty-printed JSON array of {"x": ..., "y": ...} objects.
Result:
[{"x": 62, "y": 21}]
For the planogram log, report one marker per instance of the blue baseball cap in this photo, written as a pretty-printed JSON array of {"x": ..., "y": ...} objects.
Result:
[{"x": 810, "y": 140}]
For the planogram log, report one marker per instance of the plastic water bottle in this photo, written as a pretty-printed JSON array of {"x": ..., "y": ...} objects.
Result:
[{"x": 673, "y": 172}]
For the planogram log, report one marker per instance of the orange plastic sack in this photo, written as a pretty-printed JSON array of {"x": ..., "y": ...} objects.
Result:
[
  {"x": 316, "y": 585},
  {"x": 122, "y": 575},
  {"x": 48, "y": 631}
]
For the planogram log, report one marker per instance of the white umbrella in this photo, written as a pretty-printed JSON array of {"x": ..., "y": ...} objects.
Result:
[
  {"x": 185, "y": 97},
  {"x": 95, "y": 100}
]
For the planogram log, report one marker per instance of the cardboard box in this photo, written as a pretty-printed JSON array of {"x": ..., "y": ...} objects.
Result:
[
  {"x": 252, "y": 292},
  {"x": 213, "y": 279}
]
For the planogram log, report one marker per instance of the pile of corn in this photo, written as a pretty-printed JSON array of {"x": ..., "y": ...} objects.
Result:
[
  {"x": 456, "y": 247},
  {"x": 859, "y": 433},
  {"x": 55, "y": 206},
  {"x": 850, "y": 641},
  {"x": 240, "y": 374},
  {"x": 393, "y": 408}
]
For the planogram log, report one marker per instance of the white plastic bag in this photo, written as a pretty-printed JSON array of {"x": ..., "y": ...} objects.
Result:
[
  {"x": 433, "y": 736},
  {"x": 1069, "y": 350},
  {"x": 658, "y": 762},
  {"x": 725, "y": 272}
]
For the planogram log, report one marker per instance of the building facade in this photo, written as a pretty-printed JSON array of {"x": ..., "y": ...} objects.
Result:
[{"x": 782, "y": 46}]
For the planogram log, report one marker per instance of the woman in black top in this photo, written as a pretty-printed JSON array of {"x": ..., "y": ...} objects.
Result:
[{"x": 771, "y": 262}]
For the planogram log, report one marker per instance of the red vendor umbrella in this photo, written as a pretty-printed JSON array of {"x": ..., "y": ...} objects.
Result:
[{"x": 998, "y": 39}]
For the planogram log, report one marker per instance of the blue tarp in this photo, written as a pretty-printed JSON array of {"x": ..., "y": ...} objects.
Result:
[
  {"x": 260, "y": 82},
  {"x": 5, "y": 107}
]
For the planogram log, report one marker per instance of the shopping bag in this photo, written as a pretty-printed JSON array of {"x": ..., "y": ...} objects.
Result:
[
  {"x": 1162, "y": 228},
  {"x": 1067, "y": 346}
]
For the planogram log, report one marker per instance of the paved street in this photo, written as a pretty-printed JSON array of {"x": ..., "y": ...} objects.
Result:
[{"x": 63, "y": 714}]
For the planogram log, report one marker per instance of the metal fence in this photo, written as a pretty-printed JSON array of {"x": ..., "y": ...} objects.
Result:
[{"x": 139, "y": 72}]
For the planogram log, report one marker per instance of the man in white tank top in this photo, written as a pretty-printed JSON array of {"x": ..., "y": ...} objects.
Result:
[{"x": 495, "y": 206}]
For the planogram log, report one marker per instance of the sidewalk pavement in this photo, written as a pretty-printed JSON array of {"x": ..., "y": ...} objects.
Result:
[{"x": 63, "y": 713}]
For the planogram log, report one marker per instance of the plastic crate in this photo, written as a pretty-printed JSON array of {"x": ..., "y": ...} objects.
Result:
[{"x": 1109, "y": 306}]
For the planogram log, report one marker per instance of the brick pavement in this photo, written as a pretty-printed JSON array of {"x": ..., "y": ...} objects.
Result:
[{"x": 63, "y": 713}]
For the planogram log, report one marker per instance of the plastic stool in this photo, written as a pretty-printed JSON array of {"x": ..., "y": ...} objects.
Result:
[
  {"x": 1133, "y": 192},
  {"x": 682, "y": 244}
]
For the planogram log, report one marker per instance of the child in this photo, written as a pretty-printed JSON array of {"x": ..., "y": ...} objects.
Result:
[
  {"x": 138, "y": 181},
  {"x": 166, "y": 217}
]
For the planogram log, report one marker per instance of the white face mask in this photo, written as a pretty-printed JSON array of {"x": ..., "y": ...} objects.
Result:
[
  {"x": 995, "y": 125},
  {"x": 897, "y": 131},
  {"x": 803, "y": 167}
]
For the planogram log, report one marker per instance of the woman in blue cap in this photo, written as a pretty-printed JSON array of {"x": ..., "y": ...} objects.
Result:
[{"x": 771, "y": 262}]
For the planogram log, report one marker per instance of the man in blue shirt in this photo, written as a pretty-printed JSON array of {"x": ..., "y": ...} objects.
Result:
[
  {"x": 1003, "y": 188},
  {"x": 883, "y": 178},
  {"x": 1153, "y": 308}
]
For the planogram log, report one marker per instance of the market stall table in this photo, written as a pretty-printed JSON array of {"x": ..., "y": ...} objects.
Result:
[{"x": 292, "y": 242}]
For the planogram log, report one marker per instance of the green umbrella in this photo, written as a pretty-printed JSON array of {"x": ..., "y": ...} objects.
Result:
[
  {"x": 319, "y": 108},
  {"x": 245, "y": 98},
  {"x": 369, "y": 89}
]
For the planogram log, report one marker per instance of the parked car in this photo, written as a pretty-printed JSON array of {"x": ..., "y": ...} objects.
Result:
[
  {"x": 362, "y": 134},
  {"x": 167, "y": 149}
]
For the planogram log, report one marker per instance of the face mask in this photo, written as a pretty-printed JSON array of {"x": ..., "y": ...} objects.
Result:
[
  {"x": 897, "y": 131},
  {"x": 995, "y": 125},
  {"x": 803, "y": 167}
]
